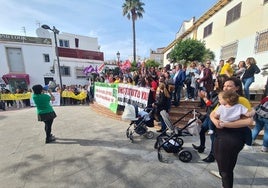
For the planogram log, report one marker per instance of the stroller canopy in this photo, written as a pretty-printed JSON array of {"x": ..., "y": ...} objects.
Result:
[{"x": 129, "y": 113}]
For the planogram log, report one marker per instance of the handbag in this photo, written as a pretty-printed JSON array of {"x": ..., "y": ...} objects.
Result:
[{"x": 262, "y": 110}]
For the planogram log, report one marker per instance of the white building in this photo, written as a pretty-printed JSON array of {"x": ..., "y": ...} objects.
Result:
[
  {"x": 26, "y": 61},
  {"x": 231, "y": 28}
]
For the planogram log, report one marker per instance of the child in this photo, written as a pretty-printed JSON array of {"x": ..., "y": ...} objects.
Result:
[{"x": 229, "y": 109}]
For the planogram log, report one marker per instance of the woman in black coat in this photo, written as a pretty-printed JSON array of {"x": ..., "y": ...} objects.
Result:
[{"x": 162, "y": 103}]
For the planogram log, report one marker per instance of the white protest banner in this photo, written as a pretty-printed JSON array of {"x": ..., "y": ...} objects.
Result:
[
  {"x": 134, "y": 95},
  {"x": 53, "y": 103}
]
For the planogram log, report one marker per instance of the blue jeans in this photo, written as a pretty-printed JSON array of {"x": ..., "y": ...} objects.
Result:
[
  {"x": 260, "y": 124},
  {"x": 247, "y": 82},
  {"x": 204, "y": 128}
]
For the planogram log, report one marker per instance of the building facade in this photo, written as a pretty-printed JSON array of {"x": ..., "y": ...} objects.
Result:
[
  {"x": 26, "y": 61},
  {"x": 232, "y": 28},
  {"x": 157, "y": 55}
]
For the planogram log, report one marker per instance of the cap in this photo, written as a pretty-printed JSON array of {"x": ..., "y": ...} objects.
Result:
[{"x": 45, "y": 88}]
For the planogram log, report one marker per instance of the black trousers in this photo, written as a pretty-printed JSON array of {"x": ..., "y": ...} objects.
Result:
[
  {"x": 48, "y": 125},
  {"x": 227, "y": 145}
]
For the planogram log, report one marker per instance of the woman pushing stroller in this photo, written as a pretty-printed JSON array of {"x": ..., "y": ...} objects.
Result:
[{"x": 161, "y": 103}]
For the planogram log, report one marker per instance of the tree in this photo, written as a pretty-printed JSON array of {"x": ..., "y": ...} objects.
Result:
[
  {"x": 133, "y": 10},
  {"x": 190, "y": 50},
  {"x": 151, "y": 63}
]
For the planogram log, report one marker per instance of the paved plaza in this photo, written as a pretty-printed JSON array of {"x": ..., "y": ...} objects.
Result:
[{"x": 92, "y": 150}]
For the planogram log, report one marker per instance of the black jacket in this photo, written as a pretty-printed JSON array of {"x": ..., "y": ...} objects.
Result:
[{"x": 250, "y": 71}]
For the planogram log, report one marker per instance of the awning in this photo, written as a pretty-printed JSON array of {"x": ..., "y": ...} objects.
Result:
[{"x": 6, "y": 77}]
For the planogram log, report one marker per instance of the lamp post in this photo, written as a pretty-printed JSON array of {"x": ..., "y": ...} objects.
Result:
[
  {"x": 118, "y": 58},
  {"x": 55, "y": 32}
]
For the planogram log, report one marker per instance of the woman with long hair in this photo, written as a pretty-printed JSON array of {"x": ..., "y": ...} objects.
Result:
[
  {"x": 248, "y": 76},
  {"x": 230, "y": 139},
  {"x": 210, "y": 104},
  {"x": 162, "y": 103}
]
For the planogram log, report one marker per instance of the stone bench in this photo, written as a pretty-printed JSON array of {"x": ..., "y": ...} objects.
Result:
[{"x": 256, "y": 94}]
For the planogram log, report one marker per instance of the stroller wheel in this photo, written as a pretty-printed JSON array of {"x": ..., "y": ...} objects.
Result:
[
  {"x": 180, "y": 141},
  {"x": 156, "y": 145},
  {"x": 185, "y": 156},
  {"x": 160, "y": 158},
  {"x": 158, "y": 142},
  {"x": 149, "y": 134}
]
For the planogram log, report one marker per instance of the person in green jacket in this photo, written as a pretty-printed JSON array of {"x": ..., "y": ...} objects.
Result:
[{"x": 45, "y": 111}]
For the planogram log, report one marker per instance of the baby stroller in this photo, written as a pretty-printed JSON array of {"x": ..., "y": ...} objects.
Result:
[
  {"x": 140, "y": 121},
  {"x": 171, "y": 142}
]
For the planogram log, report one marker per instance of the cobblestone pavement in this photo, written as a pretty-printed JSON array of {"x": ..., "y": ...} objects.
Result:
[{"x": 93, "y": 151}]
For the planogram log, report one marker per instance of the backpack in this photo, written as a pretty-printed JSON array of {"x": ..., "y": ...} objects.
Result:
[{"x": 262, "y": 110}]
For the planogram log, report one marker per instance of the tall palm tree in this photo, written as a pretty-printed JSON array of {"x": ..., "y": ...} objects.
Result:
[{"x": 133, "y": 10}]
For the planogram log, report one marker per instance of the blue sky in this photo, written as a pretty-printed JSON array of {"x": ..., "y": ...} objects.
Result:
[{"x": 103, "y": 19}]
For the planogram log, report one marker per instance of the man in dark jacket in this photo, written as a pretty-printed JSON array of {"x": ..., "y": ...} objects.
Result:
[{"x": 179, "y": 81}]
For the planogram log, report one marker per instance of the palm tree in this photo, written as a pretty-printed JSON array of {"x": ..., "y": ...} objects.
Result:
[{"x": 133, "y": 9}]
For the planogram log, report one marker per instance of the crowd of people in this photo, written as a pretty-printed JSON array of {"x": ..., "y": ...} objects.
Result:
[{"x": 221, "y": 90}]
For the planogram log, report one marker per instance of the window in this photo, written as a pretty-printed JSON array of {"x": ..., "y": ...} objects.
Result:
[
  {"x": 261, "y": 42},
  {"x": 65, "y": 71},
  {"x": 79, "y": 72},
  {"x": 64, "y": 43},
  {"x": 15, "y": 60},
  {"x": 46, "y": 58},
  {"x": 233, "y": 14},
  {"x": 76, "y": 42},
  {"x": 207, "y": 30},
  {"x": 229, "y": 50}
]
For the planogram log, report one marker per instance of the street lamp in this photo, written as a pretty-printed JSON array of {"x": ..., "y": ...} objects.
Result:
[
  {"x": 118, "y": 57},
  {"x": 55, "y": 32}
]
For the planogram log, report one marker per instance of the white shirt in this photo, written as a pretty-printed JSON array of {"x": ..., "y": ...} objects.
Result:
[
  {"x": 229, "y": 114},
  {"x": 175, "y": 76}
]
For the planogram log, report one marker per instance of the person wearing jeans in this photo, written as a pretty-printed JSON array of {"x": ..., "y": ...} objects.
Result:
[
  {"x": 248, "y": 76},
  {"x": 247, "y": 82},
  {"x": 202, "y": 134},
  {"x": 261, "y": 121},
  {"x": 210, "y": 104}
]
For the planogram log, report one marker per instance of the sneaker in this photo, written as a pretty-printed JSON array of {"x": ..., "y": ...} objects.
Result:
[
  {"x": 186, "y": 99},
  {"x": 248, "y": 148},
  {"x": 52, "y": 138},
  {"x": 192, "y": 99},
  {"x": 264, "y": 149},
  {"x": 210, "y": 132},
  {"x": 215, "y": 173}
]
